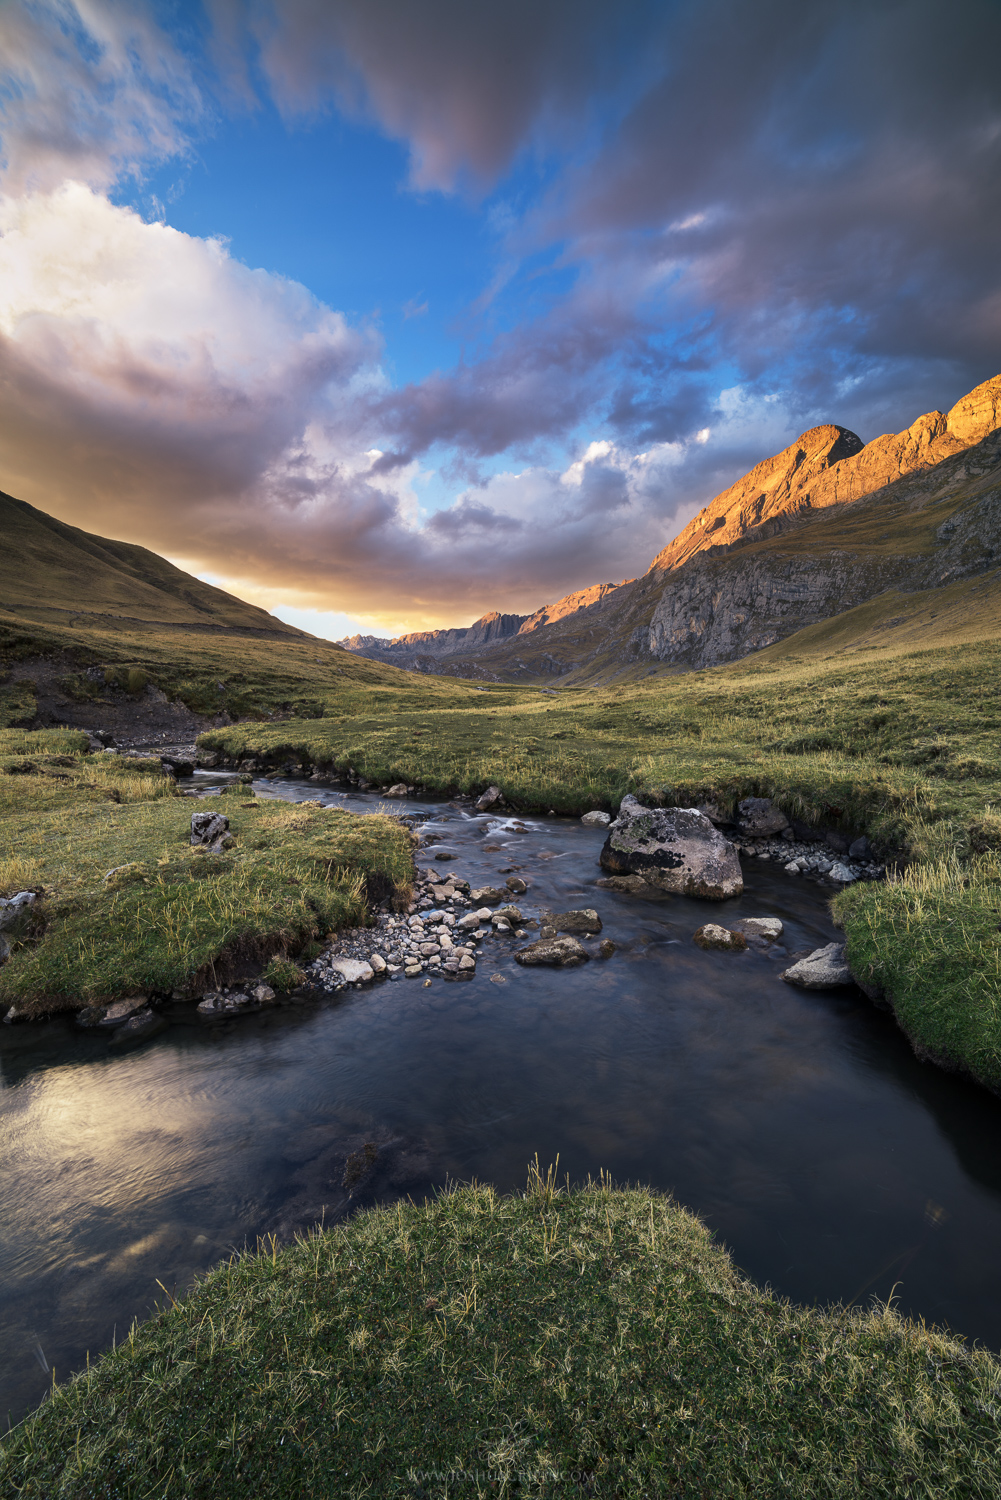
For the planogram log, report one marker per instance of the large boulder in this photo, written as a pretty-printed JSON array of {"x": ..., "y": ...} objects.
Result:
[
  {"x": 823, "y": 969},
  {"x": 675, "y": 849}
]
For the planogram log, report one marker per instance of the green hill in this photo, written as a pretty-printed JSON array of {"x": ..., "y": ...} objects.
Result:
[{"x": 49, "y": 570}]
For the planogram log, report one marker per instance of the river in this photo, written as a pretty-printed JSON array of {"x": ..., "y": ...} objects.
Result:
[{"x": 831, "y": 1162}]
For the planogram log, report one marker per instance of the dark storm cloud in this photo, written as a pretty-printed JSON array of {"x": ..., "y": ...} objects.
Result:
[{"x": 465, "y": 86}]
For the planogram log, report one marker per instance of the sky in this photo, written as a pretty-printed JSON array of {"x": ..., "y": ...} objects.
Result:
[{"x": 386, "y": 313}]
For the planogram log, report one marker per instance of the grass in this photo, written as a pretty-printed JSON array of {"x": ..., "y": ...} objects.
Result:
[
  {"x": 592, "y": 1342},
  {"x": 128, "y": 906}
]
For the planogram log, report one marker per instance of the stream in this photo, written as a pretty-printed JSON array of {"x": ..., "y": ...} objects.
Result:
[{"x": 798, "y": 1124}]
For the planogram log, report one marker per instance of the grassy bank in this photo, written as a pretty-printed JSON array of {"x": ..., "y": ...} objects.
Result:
[
  {"x": 127, "y": 905},
  {"x": 594, "y": 1342}
]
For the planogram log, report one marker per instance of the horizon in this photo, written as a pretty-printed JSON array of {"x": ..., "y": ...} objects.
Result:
[{"x": 387, "y": 317}]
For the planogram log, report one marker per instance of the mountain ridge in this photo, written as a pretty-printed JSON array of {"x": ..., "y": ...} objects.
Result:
[{"x": 798, "y": 539}]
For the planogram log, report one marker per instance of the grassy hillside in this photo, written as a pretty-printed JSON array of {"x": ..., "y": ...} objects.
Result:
[
  {"x": 49, "y": 570},
  {"x": 594, "y": 1342}
]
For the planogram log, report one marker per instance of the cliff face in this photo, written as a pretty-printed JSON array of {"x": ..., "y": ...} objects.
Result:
[{"x": 914, "y": 510}]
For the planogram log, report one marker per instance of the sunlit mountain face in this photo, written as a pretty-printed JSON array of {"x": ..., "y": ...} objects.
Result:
[{"x": 387, "y": 315}]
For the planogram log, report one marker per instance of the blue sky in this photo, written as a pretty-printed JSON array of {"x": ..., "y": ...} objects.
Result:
[{"x": 385, "y": 314}]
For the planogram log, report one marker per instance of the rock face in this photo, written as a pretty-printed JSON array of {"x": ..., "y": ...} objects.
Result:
[
  {"x": 557, "y": 952},
  {"x": 675, "y": 849},
  {"x": 824, "y": 969}
]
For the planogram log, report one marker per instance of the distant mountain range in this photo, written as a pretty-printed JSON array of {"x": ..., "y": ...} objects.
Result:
[{"x": 822, "y": 527}]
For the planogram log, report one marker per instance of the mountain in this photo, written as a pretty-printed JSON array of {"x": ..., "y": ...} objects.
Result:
[
  {"x": 423, "y": 650},
  {"x": 819, "y": 529},
  {"x": 49, "y": 570}
]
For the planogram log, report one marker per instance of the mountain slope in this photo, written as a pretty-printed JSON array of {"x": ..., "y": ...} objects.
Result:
[
  {"x": 48, "y": 568},
  {"x": 817, "y": 530}
]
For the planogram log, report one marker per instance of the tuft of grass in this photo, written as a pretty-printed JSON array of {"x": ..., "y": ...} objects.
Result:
[
  {"x": 283, "y": 975},
  {"x": 931, "y": 941},
  {"x": 593, "y": 1341}
]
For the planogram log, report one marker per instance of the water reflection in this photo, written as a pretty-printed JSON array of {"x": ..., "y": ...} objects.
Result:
[{"x": 799, "y": 1125}]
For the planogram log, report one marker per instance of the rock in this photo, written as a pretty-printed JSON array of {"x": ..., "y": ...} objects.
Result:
[
  {"x": 715, "y": 938},
  {"x": 607, "y": 948},
  {"x": 444, "y": 854},
  {"x": 13, "y": 1015},
  {"x": 860, "y": 848},
  {"x": 4, "y": 949},
  {"x": 488, "y": 798},
  {"x": 412, "y": 971},
  {"x": 824, "y": 969},
  {"x": 378, "y": 963},
  {"x": 561, "y": 952},
  {"x": 516, "y": 885},
  {"x": 674, "y": 849},
  {"x": 263, "y": 994},
  {"x": 841, "y": 872},
  {"x": 15, "y": 907},
  {"x": 470, "y": 921},
  {"x": 353, "y": 970},
  {"x": 138, "y": 1028},
  {"x": 174, "y": 765},
  {"x": 586, "y": 920},
  {"x": 510, "y": 914},
  {"x": 792, "y": 868},
  {"x": 488, "y": 895},
  {"x": 121, "y": 1010},
  {"x": 629, "y": 885},
  {"x": 766, "y": 927},
  {"x": 467, "y": 963},
  {"x": 399, "y": 790},
  {"x": 209, "y": 830},
  {"x": 596, "y": 819},
  {"x": 758, "y": 818},
  {"x": 839, "y": 842}
]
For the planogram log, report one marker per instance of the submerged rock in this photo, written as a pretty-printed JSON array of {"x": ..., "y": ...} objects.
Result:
[
  {"x": 824, "y": 969},
  {"x": 714, "y": 938},
  {"x": 769, "y": 928},
  {"x": 138, "y": 1028},
  {"x": 675, "y": 849},
  {"x": 516, "y": 885},
  {"x": 586, "y": 920},
  {"x": 558, "y": 952}
]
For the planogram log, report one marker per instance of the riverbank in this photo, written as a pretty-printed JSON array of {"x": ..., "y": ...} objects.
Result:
[
  {"x": 587, "y": 1342},
  {"x": 122, "y": 902}
]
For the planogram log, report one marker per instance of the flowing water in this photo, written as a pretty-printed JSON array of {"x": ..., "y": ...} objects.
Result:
[{"x": 799, "y": 1125}]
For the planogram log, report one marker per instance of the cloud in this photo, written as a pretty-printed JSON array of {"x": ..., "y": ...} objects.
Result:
[
  {"x": 89, "y": 88},
  {"x": 466, "y": 87}
]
